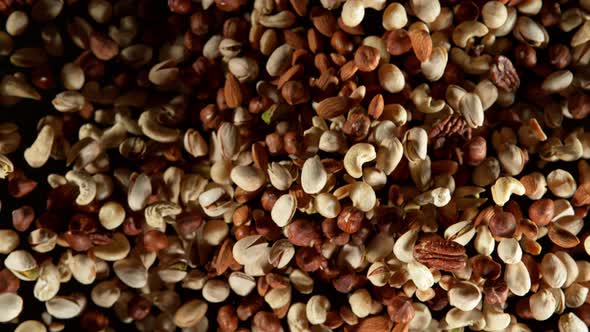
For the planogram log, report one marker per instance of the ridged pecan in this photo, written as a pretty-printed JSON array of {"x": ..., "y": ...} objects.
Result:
[
  {"x": 504, "y": 75},
  {"x": 441, "y": 254}
]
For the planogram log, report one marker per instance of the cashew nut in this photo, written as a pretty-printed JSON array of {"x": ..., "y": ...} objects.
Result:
[
  {"x": 476, "y": 65},
  {"x": 86, "y": 186},
  {"x": 153, "y": 129},
  {"x": 6, "y": 166},
  {"x": 356, "y": 156},
  {"x": 424, "y": 103},
  {"x": 504, "y": 187},
  {"x": 468, "y": 30},
  {"x": 38, "y": 154},
  {"x": 160, "y": 213}
]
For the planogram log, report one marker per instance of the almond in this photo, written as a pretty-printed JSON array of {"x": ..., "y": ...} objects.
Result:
[
  {"x": 348, "y": 70},
  {"x": 397, "y": 42},
  {"x": 334, "y": 106},
  {"x": 232, "y": 91},
  {"x": 300, "y": 6},
  {"x": 324, "y": 22},
  {"x": 373, "y": 324},
  {"x": 376, "y": 106},
  {"x": 421, "y": 43}
]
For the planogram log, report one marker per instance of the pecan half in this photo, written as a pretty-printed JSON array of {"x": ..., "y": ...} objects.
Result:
[
  {"x": 441, "y": 254},
  {"x": 504, "y": 75}
]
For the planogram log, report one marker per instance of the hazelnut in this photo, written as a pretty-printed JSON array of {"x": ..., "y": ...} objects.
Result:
[
  {"x": 227, "y": 318},
  {"x": 367, "y": 58},
  {"x": 292, "y": 142},
  {"x": 274, "y": 143},
  {"x": 154, "y": 240},
  {"x": 541, "y": 212},
  {"x": 503, "y": 224},
  {"x": 559, "y": 56},
  {"x": 180, "y": 6},
  {"x": 350, "y": 219},
  {"x": 139, "y": 307},
  {"x": 525, "y": 55},
  {"x": 400, "y": 309},
  {"x": 475, "y": 151},
  {"x": 269, "y": 197}
]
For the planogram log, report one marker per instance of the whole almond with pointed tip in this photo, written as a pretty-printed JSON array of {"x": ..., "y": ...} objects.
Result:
[
  {"x": 376, "y": 106},
  {"x": 334, "y": 106},
  {"x": 421, "y": 43},
  {"x": 232, "y": 91},
  {"x": 300, "y": 6}
]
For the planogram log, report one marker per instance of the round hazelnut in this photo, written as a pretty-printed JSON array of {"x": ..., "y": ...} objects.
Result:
[
  {"x": 154, "y": 240},
  {"x": 503, "y": 224},
  {"x": 139, "y": 307},
  {"x": 560, "y": 56},
  {"x": 541, "y": 212}
]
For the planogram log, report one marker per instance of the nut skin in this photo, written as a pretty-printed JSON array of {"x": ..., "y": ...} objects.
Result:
[
  {"x": 180, "y": 6},
  {"x": 154, "y": 240},
  {"x": 541, "y": 212},
  {"x": 560, "y": 56},
  {"x": 266, "y": 322},
  {"x": 367, "y": 58},
  {"x": 525, "y": 55},
  {"x": 475, "y": 151},
  {"x": 400, "y": 309},
  {"x": 350, "y": 219},
  {"x": 139, "y": 308},
  {"x": 502, "y": 224},
  {"x": 495, "y": 291},
  {"x": 485, "y": 267},
  {"x": 93, "y": 320},
  {"x": 227, "y": 318}
]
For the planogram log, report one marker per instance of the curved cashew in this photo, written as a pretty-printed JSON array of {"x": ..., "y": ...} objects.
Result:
[
  {"x": 38, "y": 154},
  {"x": 434, "y": 67},
  {"x": 389, "y": 154},
  {"x": 6, "y": 166},
  {"x": 468, "y": 30},
  {"x": 356, "y": 156},
  {"x": 160, "y": 213},
  {"x": 86, "y": 186},
  {"x": 504, "y": 187},
  {"x": 487, "y": 92},
  {"x": 154, "y": 130},
  {"x": 438, "y": 197},
  {"x": 476, "y": 65},
  {"x": 424, "y": 102}
]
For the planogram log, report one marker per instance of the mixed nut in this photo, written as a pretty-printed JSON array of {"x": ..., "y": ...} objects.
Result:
[{"x": 295, "y": 165}]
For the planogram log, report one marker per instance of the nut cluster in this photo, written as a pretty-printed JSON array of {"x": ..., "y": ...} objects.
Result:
[{"x": 273, "y": 165}]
